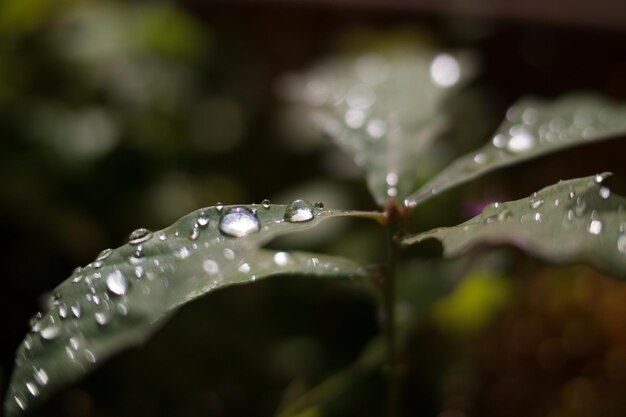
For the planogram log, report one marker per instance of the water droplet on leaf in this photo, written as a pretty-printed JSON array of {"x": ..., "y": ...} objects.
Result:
[
  {"x": 299, "y": 211},
  {"x": 139, "y": 236},
  {"x": 266, "y": 203},
  {"x": 239, "y": 222},
  {"x": 117, "y": 283}
]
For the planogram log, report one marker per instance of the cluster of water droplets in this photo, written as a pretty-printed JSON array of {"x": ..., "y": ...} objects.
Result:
[
  {"x": 99, "y": 292},
  {"x": 587, "y": 209}
]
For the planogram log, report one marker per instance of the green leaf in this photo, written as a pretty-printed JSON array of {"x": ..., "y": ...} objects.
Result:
[
  {"x": 573, "y": 221},
  {"x": 122, "y": 297},
  {"x": 383, "y": 108},
  {"x": 533, "y": 127}
]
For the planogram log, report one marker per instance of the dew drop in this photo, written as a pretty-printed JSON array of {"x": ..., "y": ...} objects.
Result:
[
  {"x": 504, "y": 215},
  {"x": 281, "y": 258},
  {"x": 210, "y": 267},
  {"x": 319, "y": 205},
  {"x": 139, "y": 236},
  {"x": 621, "y": 243},
  {"x": 50, "y": 332},
  {"x": 581, "y": 206},
  {"x": 117, "y": 283},
  {"x": 20, "y": 403},
  {"x": 595, "y": 227},
  {"x": 239, "y": 222},
  {"x": 536, "y": 204},
  {"x": 104, "y": 254},
  {"x": 90, "y": 356},
  {"x": 229, "y": 254},
  {"x": 101, "y": 318},
  {"x": 76, "y": 310},
  {"x": 32, "y": 388},
  {"x": 139, "y": 271},
  {"x": 40, "y": 375},
  {"x": 63, "y": 311},
  {"x": 202, "y": 221},
  {"x": 299, "y": 211},
  {"x": 195, "y": 232},
  {"x": 266, "y": 203},
  {"x": 604, "y": 193},
  {"x": 219, "y": 206},
  {"x": 521, "y": 140},
  {"x": 244, "y": 268}
]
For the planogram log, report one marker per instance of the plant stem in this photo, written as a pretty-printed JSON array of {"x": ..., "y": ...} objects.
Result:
[{"x": 394, "y": 394}]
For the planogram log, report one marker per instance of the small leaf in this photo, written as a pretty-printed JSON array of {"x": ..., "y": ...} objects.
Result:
[
  {"x": 382, "y": 108},
  {"x": 532, "y": 128},
  {"x": 122, "y": 297},
  {"x": 572, "y": 221}
]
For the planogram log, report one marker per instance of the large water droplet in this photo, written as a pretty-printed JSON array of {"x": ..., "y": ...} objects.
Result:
[
  {"x": 595, "y": 227},
  {"x": 139, "y": 236},
  {"x": 521, "y": 140},
  {"x": 50, "y": 332},
  {"x": 116, "y": 283},
  {"x": 239, "y": 222},
  {"x": 281, "y": 258},
  {"x": 299, "y": 211}
]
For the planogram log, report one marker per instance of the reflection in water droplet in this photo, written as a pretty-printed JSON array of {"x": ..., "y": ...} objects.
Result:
[
  {"x": 521, "y": 140},
  {"x": 202, "y": 221},
  {"x": 104, "y": 254},
  {"x": 20, "y": 403},
  {"x": 210, "y": 267},
  {"x": 139, "y": 236},
  {"x": 621, "y": 243},
  {"x": 76, "y": 310},
  {"x": 244, "y": 268},
  {"x": 604, "y": 193},
  {"x": 101, "y": 318},
  {"x": 265, "y": 203},
  {"x": 299, "y": 211},
  {"x": 139, "y": 271},
  {"x": 40, "y": 376},
  {"x": 116, "y": 283},
  {"x": 376, "y": 128},
  {"x": 595, "y": 227},
  {"x": 32, "y": 388},
  {"x": 445, "y": 70},
  {"x": 90, "y": 356},
  {"x": 281, "y": 258},
  {"x": 50, "y": 332},
  {"x": 63, "y": 311},
  {"x": 239, "y": 222}
]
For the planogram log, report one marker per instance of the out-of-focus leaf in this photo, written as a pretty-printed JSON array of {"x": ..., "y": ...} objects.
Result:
[
  {"x": 532, "y": 128},
  {"x": 383, "y": 108},
  {"x": 122, "y": 297},
  {"x": 572, "y": 221}
]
